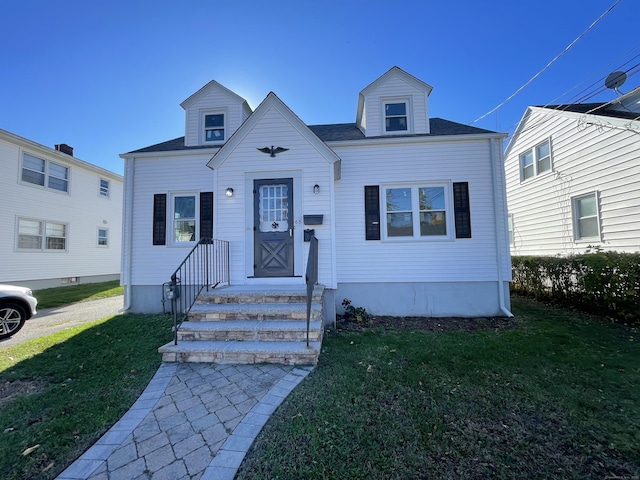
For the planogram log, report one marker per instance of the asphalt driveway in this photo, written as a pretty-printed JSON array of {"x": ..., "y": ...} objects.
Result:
[{"x": 51, "y": 320}]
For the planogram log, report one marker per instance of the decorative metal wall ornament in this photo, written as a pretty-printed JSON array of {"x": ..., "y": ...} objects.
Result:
[{"x": 272, "y": 151}]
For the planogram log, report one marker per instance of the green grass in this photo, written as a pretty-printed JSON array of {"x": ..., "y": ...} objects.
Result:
[
  {"x": 556, "y": 397},
  {"x": 71, "y": 387},
  {"x": 59, "y": 296}
]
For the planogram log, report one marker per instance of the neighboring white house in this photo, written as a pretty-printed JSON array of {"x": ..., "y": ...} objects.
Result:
[
  {"x": 412, "y": 208},
  {"x": 62, "y": 216},
  {"x": 573, "y": 178}
]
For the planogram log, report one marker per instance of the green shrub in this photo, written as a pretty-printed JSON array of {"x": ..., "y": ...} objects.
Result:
[{"x": 600, "y": 282}]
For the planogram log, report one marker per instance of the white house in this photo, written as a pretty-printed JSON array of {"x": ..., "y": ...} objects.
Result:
[
  {"x": 62, "y": 216},
  {"x": 572, "y": 176},
  {"x": 409, "y": 211}
]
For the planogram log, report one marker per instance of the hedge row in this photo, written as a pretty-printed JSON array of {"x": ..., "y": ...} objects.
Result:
[{"x": 604, "y": 283}]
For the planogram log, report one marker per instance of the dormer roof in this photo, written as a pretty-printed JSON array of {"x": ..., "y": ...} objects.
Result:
[{"x": 207, "y": 89}]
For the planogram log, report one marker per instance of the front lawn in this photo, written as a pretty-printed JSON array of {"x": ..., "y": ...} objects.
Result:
[
  {"x": 556, "y": 395},
  {"x": 60, "y": 393}
]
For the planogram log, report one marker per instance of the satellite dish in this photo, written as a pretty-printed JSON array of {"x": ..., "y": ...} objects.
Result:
[{"x": 615, "y": 80}]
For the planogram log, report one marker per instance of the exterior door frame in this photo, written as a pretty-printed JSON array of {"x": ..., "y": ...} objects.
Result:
[{"x": 298, "y": 227}]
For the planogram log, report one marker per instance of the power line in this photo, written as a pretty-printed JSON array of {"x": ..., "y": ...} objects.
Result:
[{"x": 551, "y": 62}]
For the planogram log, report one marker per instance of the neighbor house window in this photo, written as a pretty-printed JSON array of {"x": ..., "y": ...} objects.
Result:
[
  {"x": 586, "y": 223},
  {"x": 184, "y": 208},
  {"x": 417, "y": 212},
  {"x": 41, "y": 235},
  {"x": 395, "y": 117},
  {"x": 104, "y": 188},
  {"x": 214, "y": 127},
  {"x": 44, "y": 173},
  {"x": 103, "y": 237},
  {"x": 536, "y": 160}
]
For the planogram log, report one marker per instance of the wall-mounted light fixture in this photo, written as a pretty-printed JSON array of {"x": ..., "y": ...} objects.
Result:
[
  {"x": 229, "y": 192},
  {"x": 316, "y": 188}
]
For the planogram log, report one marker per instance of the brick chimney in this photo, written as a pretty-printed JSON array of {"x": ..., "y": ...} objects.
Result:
[{"x": 64, "y": 148}]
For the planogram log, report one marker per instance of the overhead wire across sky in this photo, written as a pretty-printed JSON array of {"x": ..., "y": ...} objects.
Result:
[{"x": 548, "y": 65}]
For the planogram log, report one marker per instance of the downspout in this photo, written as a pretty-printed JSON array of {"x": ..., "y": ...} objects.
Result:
[
  {"x": 499, "y": 236},
  {"x": 127, "y": 240}
]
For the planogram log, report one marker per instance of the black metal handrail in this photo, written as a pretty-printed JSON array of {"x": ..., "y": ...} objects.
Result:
[
  {"x": 206, "y": 266},
  {"x": 311, "y": 277}
]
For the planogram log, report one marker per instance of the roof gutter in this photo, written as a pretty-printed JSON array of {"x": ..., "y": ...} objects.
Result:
[{"x": 499, "y": 235}]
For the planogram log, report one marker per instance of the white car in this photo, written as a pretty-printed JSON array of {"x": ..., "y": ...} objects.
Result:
[{"x": 17, "y": 304}]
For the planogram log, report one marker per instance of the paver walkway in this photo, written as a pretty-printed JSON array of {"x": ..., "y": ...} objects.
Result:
[{"x": 193, "y": 421}]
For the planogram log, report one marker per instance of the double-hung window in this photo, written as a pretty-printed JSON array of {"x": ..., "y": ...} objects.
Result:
[
  {"x": 395, "y": 117},
  {"x": 41, "y": 235},
  {"x": 586, "y": 222},
  {"x": 44, "y": 173},
  {"x": 184, "y": 207},
  {"x": 214, "y": 127},
  {"x": 418, "y": 212},
  {"x": 536, "y": 161},
  {"x": 104, "y": 188},
  {"x": 103, "y": 237}
]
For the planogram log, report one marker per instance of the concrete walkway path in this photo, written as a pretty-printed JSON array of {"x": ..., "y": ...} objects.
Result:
[{"x": 193, "y": 421}]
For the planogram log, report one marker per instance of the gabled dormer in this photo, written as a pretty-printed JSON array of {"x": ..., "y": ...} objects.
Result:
[
  {"x": 394, "y": 104},
  {"x": 212, "y": 115}
]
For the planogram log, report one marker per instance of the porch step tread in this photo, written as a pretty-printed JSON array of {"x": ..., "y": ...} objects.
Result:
[
  {"x": 284, "y": 309},
  {"x": 258, "y": 294},
  {"x": 259, "y": 347},
  {"x": 249, "y": 325}
]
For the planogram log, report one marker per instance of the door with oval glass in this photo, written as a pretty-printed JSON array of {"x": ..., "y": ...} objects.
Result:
[{"x": 273, "y": 227}]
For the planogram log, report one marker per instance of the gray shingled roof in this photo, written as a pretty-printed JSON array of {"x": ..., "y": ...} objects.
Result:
[
  {"x": 339, "y": 132},
  {"x": 603, "y": 109}
]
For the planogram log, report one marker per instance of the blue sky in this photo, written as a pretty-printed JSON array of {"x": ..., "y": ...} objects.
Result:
[{"x": 107, "y": 77}]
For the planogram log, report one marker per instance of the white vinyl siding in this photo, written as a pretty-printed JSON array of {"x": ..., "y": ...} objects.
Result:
[
  {"x": 586, "y": 158},
  {"x": 361, "y": 260},
  {"x": 154, "y": 265},
  {"x": 212, "y": 100},
  {"x": 395, "y": 91},
  {"x": 80, "y": 210}
]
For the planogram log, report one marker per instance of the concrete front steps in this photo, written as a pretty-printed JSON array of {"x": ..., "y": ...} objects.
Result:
[{"x": 250, "y": 324}]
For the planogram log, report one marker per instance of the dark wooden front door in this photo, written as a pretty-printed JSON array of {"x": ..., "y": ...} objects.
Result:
[{"x": 273, "y": 227}]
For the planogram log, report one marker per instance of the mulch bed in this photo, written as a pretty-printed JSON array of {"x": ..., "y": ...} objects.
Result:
[{"x": 427, "y": 324}]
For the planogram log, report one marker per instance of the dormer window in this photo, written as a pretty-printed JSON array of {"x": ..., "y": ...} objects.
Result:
[
  {"x": 214, "y": 127},
  {"x": 396, "y": 116}
]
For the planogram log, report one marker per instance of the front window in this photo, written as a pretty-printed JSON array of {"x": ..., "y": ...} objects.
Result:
[
  {"x": 585, "y": 217},
  {"x": 38, "y": 171},
  {"x": 536, "y": 161},
  {"x": 214, "y": 127},
  {"x": 41, "y": 235},
  {"x": 184, "y": 218},
  {"x": 416, "y": 212}
]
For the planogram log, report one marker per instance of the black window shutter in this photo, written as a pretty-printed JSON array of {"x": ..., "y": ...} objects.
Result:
[
  {"x": 372, "y": 212},
  {"x": 206, "y": 214},
  {"x": 461, "y": 209},
  {"x": 160, "y": 219}
]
